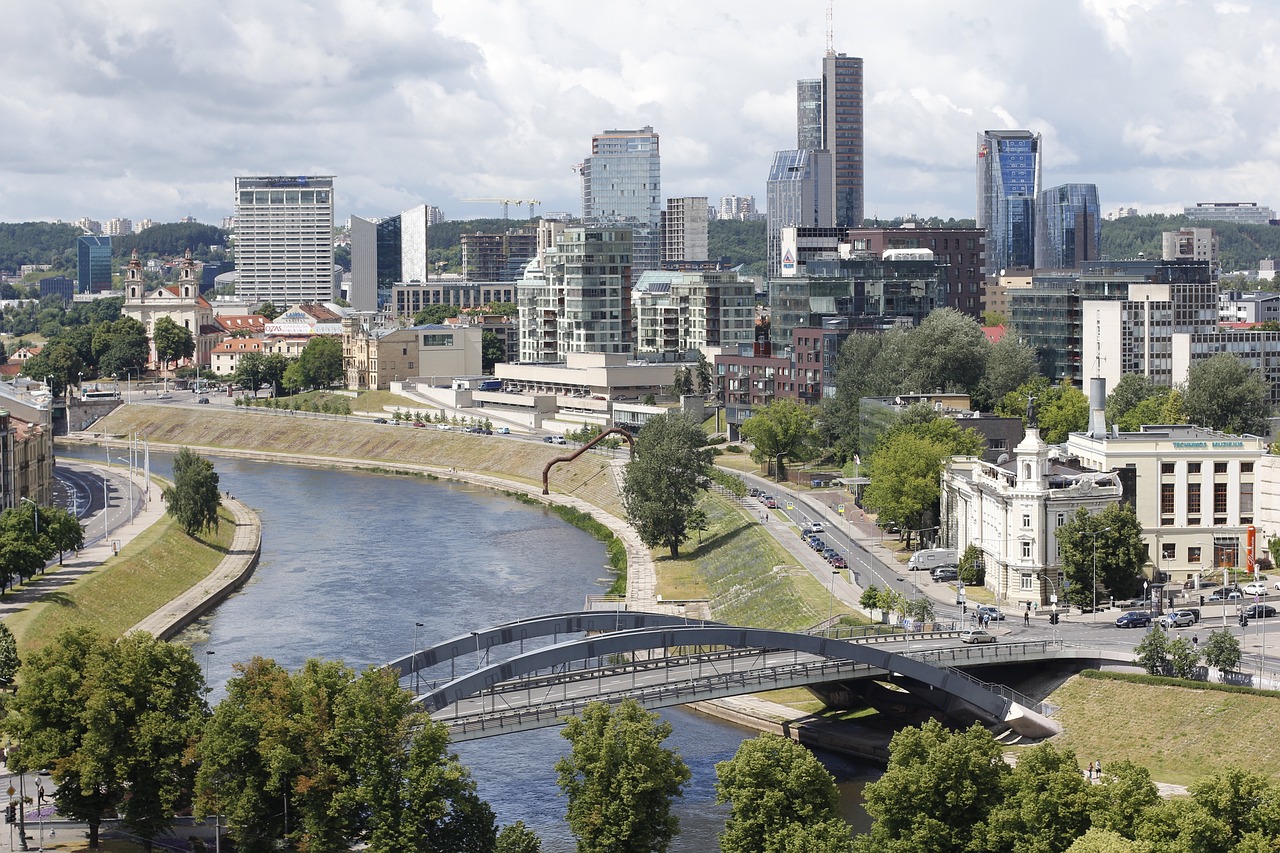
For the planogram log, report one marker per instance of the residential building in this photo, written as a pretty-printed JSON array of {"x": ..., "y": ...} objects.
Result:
[
  {"x": 375, "y": 358},
  {"x": 1068, "y": 227},
  {"x": 842, "y": 135},
  {"x": 750, "y": 378},
  {"x": 742, "y": 208},
  {"x": 385, "y": 252},
  {"x": 117, "y": 227},
  {"x": 497, "y": 257},
  {"x": 678, "y": 314},
  {"x": 88, "y": 226},
  {"x": 225, "y": 358},
  {"x": 1267, "y": 269},
  {"x": 26, "y": 461},
  {"x": 1008, "y": 183},
  {"x": 684, "y": 230},
  {"x": 1191, "y": 244},
  {"x": 181, "y": 303},
  {"x": 408, "y": 299},
  {"x": 622, "y": 187},
  {"x": 798, "y": 195},
  {"x": 284, "y": 239},
  {"x": 958, "y": 253},
  {"x": 1257, "y": 307},
  {"x": 581, "y": 300},
  {"x": 93, "y": 264},
  {"x": 1239, "y": 212},
  {"x": 815, "y": 352}
]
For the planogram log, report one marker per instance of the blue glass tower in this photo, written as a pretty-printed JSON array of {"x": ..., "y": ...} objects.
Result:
[
  {"x": 93, "y": 264},
  {"x": 1068, "y": 226},
  {"x": 1008, "y": 183}
]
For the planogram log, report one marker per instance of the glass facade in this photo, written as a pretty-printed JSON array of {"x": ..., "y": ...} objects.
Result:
[
  {"x": 798, "y": 194},
  {"x": 622, "y": 185},
  {"x": 1008, "y": 182},
  {"x": 1068, "y": 227},
  {"x": 809, "y": 114},
  {"x": 842, "y": 135},
  {"x": 93, "y": 264}
]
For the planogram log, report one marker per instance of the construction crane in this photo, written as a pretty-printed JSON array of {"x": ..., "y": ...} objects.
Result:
[{"x": 506, "y": 203}]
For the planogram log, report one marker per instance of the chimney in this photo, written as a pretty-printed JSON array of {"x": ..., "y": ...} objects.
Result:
[{"x": 1097, "y": 408}]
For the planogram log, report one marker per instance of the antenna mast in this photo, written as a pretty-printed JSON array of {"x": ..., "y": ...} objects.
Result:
[{"x": 831, "y": 37}]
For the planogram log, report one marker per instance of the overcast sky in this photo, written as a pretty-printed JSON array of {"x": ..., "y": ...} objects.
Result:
[{"x": 148, "y": 108}]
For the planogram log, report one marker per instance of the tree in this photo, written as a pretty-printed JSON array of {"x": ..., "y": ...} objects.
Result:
[
  {"x": 62, "y": 529},
  {"x": 20, "y": 557},
  {"x": 273, "y": 367},
  {"x": 518, "y": 838},
  {"x": 493, "y": 350},
  {"x": 947, "y": 352},
  {"x": 1153, "y": 653},
  {"x": 1121, "y": 796},
  {"x": 1121, "y": 553},
  {"x": 1184, "y": 659},
  {"x": 268, "y": 310},
  {"x": 782, "y": 429},
  {"x": 702, "y": 375},
  {"x": 939, "y": 786},
  {"x": 1060, "y": 409},
  {"x": 1222, "y": 651},
  {"x": 664, "y": 478},
  {"x": 172, "y": 342},
  {"x": 1105, "y": 841},
  {"x": 1131, "y": 390},
  {"x": 9, "y": 661},
  {"x": 320, "y": 362},
  {"x": 120, "y": 346},
  {"x": 619, "y": 780},
  {"x": 434, "y": 315},
  {"x": 193, "y": 498},
  {"x": 1010, "y": 363},
  {"x": 1182, "y": 824},
  {"x": 973, "y": 569},
  {"x": 1045, "y": 806},
  {"x": 249, "y": 371},
  {"x": 772, "y": 783},
  {"x": 59, "y": 363},
  {"x": 1237, "y": 798},
  {"x": 1224, "y": 393}
]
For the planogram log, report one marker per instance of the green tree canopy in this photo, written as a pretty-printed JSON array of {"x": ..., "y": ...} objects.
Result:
[
  {"x": 434, "y": 315},
  {"x": 59, "y": 363},
  {"x": 1121, "y": 796},
  {"x": 947, "y": 352},
  {"x": 1046, "y": 805},
  {"x": 9, "y": 660},
  {"x": 1224, "y": 393},
  {"x": 172, "y": 342},
  {"x": 1010, "y": 363},
  {"x": 782, "y": 429},
  {"x": 193, "y": 498},
  {"x": 120, "y": 346},
  {"x": 268, "y": 310},
  {"x": 1121, "y": 553},
  {"x": 664, "y": 479},
  {"x": 1060, "y": 409},
  {"x": 620, "y": 780},
  {"x": 320, "y": 362},
  {"x": 772, "y": 783},
  {"x": 518, "y": 838},
  {"x": 1222, "y": 651},
  {"x": 493, "y": 350}
]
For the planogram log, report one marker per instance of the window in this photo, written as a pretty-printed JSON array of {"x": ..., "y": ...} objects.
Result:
[
  {"x": 1168, "y": 551},
  {"x": 1026, "y": 580},
  {"x": 1193, "y": 498},
  {"x": 1026, "y": 550},
  {"x": 1219, "y": 467},
  {"x": 1062, "y": 519},
  {"x": 1219, "y": 503},
  {"x": 1246, "y": 467},
  {"x": 1166, "y": 503},
  {"x": 1246, "y": 498},
  {"x": 1026, "y": 519},
  {"x": 1166, "y": 467},
  {"x": 1193, "y": 467},
  {"x": 1193, "y": 554}
]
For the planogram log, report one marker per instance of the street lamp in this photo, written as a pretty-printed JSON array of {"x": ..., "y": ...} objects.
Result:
[
  {"x": 1093, "y": 617},
  {"x": 129, "y": 463},
  {"x": 414, "y": 663},
  {"x": 208, "y": 653},
  {"x": 832, "y": 603},
  {"x": 37, "y": 512}
]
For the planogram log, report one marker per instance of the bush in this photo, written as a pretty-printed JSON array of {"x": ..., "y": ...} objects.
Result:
[{"x": 973, "y": 569}]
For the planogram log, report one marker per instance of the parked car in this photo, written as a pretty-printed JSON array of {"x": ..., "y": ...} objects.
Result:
[
  {"x": 1134, "y": 619},
  {"x": 379, "y": 420},
  {"x": 1179, "y": 619},
  {"x": 946, "y": 573},
  {"x": 990, "y": 611},
  {"x": 976, "y": 635},
  {"x": 753, "y": 492},
  {"x": 817, "y": 527},
  {"x": 1255, "y": 589},
  {"x": 504, "y": 430},
  {"x": 419, "y": 425},
  {"x": 829, "y": 554},
  {"x": 839, "y": 562},
  {"x": 202, "y": 399},
  {"x": 771, "y": 502},
  {"x": 817, "y": 544},
  {"x": 806, "y": 530},
  {"x": 1259, "y": 611}
]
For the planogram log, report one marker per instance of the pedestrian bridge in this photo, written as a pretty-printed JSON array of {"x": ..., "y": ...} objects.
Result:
[{"x": 559, "y": 664}]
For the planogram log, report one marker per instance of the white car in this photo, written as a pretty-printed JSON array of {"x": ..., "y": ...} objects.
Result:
[
  {"x": 817, "y": 527},
  {"x": 976, "y": 635},
  {"x": 1255, "y": 589}
]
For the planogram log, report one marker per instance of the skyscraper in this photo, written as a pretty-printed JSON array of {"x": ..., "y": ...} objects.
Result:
[
  {"x": 93, "y": 264},
  {"x": 684, "y": 230},
  {"x": 809, "y": 114},
  {"x": 842, "y": 134},
  {"x": 284, "y": 239},
  {"x": 385, "y": 252},
  {"x": 622, "y": 185},
  {"x": 798, "y": 194},
  {"x": 1068, "y": 227},
  {"x": 1008, "y": 182}
]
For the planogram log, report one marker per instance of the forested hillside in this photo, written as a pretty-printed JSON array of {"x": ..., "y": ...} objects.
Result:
[
  {"x": 1241, "y": 246},
  {"x": 170, "y": 240},
  {"x": 37, "y": 243}
]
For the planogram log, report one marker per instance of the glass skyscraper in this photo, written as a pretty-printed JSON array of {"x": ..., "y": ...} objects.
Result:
[
  {"x": 798, "y": 194},
  {"x": 93, "y": 264},
  {"x": 386, "y": 252},
  {"x": 1068, "y": 227},
  {"x": 1008, "y": 182},
  {"x": 842, "y": 134},
  {"x": 622, "y": 185},
  {"x": 809, "y": 114}
]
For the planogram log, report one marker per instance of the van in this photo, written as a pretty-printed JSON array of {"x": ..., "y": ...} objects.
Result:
[{"x": 931, "y": 558}]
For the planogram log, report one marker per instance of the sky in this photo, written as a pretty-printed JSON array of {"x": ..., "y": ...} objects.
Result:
[{"x": 149, "y": 108}]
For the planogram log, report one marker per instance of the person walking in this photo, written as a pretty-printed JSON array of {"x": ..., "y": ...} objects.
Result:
[
  {"x": 1026, "y": 616},
  {"x": 1090, "y": 771}
]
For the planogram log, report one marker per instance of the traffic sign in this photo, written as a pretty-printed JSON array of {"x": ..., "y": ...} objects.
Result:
[
  {"x": 840, "y": 509},
  {"x": 12, "y": 790}
]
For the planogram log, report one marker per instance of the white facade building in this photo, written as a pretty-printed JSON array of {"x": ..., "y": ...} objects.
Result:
[{"x": 284, "y": 239}]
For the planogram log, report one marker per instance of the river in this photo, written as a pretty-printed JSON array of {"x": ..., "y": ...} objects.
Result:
[{"x": 351, "y": 561}]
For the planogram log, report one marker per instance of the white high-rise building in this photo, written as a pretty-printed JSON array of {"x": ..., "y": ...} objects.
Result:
[
  {"x": 622, "y": 186},
  {"x": 684, "y": 230},
  {"x": 284, "y": 239}
]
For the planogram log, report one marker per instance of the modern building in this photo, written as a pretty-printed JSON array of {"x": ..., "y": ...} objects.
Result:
[
  {"x": 959, "y": 254},
  {"x": 498, "y": 257},
  {"x": 385, "y": 252},
  {"x": 580, "y": 300},
  {"x": 842, "y": 135},
  {"x": 684, "y": 230},
  {"x": 284, "y": 239},
  {"x": 622, "y": 187},
  {"x": 798, "y": 195},
  {"x": 58, "y": 285},
  {"x": 1257, "y": 307},
  {"x": 408, "y": 299},
  {"x": 1068, "y": 227},
  {"x": 1008, "y": 183},
  {"x": 1239, "y": 212},
  {"x": 93, "y": 264},
  {"x": 809, "y": 114},
  {"x": 750, "y": 378},
  {"x": 1190, "y": 244},
  {"x": 678, "y": 314}
]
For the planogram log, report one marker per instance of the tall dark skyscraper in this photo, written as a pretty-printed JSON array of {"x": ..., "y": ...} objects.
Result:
[
  {"x": 1008, "y": 182},
  {"x": 842, "y": 134}
]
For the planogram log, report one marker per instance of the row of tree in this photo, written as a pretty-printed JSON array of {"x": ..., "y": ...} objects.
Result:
[{"x": 30, "y": 536}]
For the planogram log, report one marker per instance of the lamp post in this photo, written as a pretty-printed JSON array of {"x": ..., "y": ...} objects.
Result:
[
  {"x": 832, "y": 603},
  {"x": 414, "y": 662},
  {"x": 208, "y": 653},
  {"x": 129, "y": 465},
  {"x": 1093, "y": 617},
  {"x": 37, "y": 513}
]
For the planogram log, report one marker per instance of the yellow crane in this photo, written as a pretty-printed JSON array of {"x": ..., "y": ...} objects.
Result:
[{"x": 506, "y": 203}]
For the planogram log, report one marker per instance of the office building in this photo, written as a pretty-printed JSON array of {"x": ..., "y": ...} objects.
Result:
[
  {"x": 386, "y": 252},
  {"x": 579, "y": 298},
  {"x": 809, "y": 114},
  {"x": 93, "y": 264},
  {"x": 842, "y": 135},
  {"x": 408, "y": 299},
  {"x": 1191, "y": 244},
  {"x": 1237, "y": 307},
  {"x": 284, "y": 239},
  {"x": 622, "y": 186},
  {"x": 1068, "y": 227},
  {"x": 497, "y": 257},
  {"x": 1008, "y": 183},
  {"x": 684, "y": 230},
  {"x": 1238, "y": 212},
  {"x": 959, "y": 254},
  {"x": 798, "y": 195}
]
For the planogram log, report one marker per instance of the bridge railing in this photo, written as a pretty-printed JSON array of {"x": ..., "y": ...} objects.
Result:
[{"x": 994, "y": 651}]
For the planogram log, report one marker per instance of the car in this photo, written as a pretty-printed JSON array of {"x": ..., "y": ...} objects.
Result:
[
  {"x": 504, "y": 430},
  {"x": 1255, "y": 589},
  {"x": 771, "y": 502},
  {"x": 442, "y": 427},
  {"x": 419, "y": 424},
  {"x": 829, "y": 554},
  {"x": 379, "y": 420},
  {"x": 753, "y": 492},
  {"x": 1179, "y": 619},
  {"x": 817, "y": 544},
  {"x": 990, "y": 611},
  {"x": 976, "y": 635},
  {"x": 1259, "y": 611},
  {"x": 1134, "y": 619},
  {"x": 946, "y": 573},
  {"x": 839, "y": 562},
  {"x": 806, "y": 530},
  {"x": 1277, "y": 584},
  {"x": 202, "y": 399},
  {"x": 818, "y": 528}
]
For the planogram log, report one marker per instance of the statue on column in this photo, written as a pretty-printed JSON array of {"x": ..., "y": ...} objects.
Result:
[{"x": 1031, "y": 411}]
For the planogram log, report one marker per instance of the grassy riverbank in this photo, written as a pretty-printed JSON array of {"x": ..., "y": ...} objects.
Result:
[{"x": 160, "y": 564}]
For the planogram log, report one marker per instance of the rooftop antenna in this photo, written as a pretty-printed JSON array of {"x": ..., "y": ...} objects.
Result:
[{"x": 831, "y": 36}]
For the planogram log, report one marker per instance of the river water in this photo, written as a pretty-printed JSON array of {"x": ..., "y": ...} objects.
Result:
[{"x": 351, "y": 561}]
